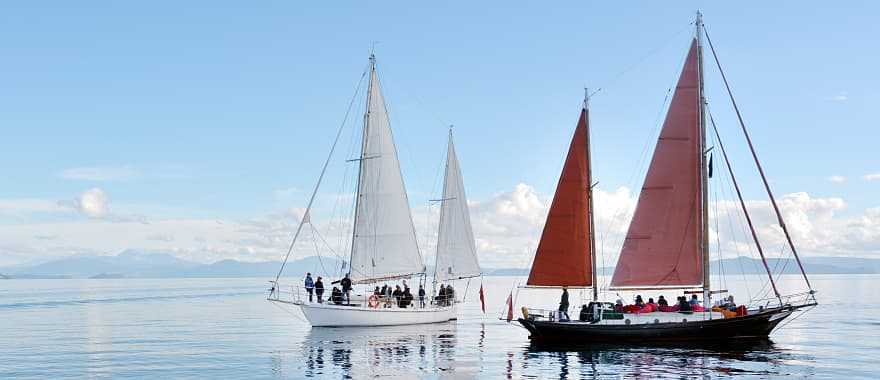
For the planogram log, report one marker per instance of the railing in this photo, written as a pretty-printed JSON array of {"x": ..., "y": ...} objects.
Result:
[{"x": 298, "y": 294}]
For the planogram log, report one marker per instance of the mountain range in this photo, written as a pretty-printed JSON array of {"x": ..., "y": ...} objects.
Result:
[{"x": 139, "y": 264}]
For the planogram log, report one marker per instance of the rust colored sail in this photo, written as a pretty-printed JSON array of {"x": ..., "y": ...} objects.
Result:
[
  {"x": 663, "y": 244},
  {"x": 563, "y": 256}
]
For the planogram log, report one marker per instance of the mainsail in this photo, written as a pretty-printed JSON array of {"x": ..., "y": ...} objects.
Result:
[
  {"x": 384, "y": 242},
  {"x": 564, "y": 252},
  {"x": 663, "y": 247},
  {"x": 456, "y": 250}
]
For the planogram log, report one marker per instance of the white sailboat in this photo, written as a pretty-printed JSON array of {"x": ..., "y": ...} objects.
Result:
[{"x": 383, "y": 245}]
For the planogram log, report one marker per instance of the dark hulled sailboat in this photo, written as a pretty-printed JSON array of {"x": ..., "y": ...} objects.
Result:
[{"x": 666, "y": 246}]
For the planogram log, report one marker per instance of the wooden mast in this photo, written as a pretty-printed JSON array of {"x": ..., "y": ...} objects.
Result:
[
  {"x": 594, "y": 278},
  {"x": 704, "y": 193}
]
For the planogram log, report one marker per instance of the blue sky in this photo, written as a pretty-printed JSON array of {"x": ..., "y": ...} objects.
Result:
[{"x": 226, "y": 110}]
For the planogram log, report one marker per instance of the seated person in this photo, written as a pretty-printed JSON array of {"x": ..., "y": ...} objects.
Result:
[
  {"x": 336, "y": 296},
  {"x": 662, "y": 301},
  {"x": 694, "y": 300},
  {"x": 585, "y": 315},
  {"x": 639, "y": 301},
  {"x": 683, "y": 304},
  {"x": 618, "y": 306}
]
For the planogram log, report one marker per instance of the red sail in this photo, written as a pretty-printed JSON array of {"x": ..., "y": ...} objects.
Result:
[
  {"x": 563, "y": 256},
  {"x": 662, "y": 246}
]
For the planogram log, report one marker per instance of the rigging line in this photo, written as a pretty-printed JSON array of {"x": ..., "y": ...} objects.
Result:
[
  {"x": 321, "y": 176},
  {"x": 317, "y": 251},
  {"x": 757, "y": 162},
  {"x": 733, "y": 235},
  {"x": 644, "y": 58},
  {"x": 743, "y": 203}
]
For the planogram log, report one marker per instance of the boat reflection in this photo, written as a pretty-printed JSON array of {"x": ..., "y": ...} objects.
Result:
[
  {"x": 635, "y": 361},
  {"x": 398, "y": 350}
]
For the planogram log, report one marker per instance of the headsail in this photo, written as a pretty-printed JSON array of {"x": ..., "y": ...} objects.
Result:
[
  {"x": 663, "y": 244},
  {"x": 384, "y": 243},
  {"x": 564, "y": 252},
  {"x": 456, "y": 250}
]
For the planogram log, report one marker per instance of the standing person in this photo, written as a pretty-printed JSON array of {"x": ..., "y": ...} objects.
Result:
[
  {"x": 346, "y": 288},
  {"x": 563, "y": 305},
  {"x": 397, "y": 295},
  {"x": 310, "y": 285},
  {"x": 319, "y": 290},
  {"x": 421, "y": 296}
]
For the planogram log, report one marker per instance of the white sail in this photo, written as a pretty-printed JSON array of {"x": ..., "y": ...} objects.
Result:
[
  {"x": 384, "y": 244},
  {"x": 456, "y": 250}
]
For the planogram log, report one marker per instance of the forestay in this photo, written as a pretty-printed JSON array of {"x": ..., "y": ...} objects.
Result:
[
  {"x": 384, "y": 243},
  {"x": 456, "y": 250}
]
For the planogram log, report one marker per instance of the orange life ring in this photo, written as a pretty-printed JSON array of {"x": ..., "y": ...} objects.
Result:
[{"x": 373, "y": 301}]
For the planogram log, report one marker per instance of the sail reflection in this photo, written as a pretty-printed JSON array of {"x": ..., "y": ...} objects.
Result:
[{"x": 398, "y": 350}]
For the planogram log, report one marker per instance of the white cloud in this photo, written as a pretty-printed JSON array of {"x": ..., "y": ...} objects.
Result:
[
  {"x": 507, "y": 227},
  {"x": 100, "y": 173},
  {"x": 837, "y": 179},
  {"x": 840, "y": 97},
  {"x": 92, "y": 203},
  {"x": 872, "y": 177}
]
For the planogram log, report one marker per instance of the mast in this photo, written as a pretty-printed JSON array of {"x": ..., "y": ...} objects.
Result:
[
  {"x": 589, "y": 168},
  {"x": 360, "y": 159},
  {"x": 442, "y": 199},
  {"x": 704, "y": 175}
]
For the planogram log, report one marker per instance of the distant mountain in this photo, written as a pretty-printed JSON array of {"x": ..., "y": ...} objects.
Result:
[{"x": 139, "y": 264}]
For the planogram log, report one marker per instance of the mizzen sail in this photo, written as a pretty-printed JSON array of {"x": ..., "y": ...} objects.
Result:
[
  {"x": 564, "y": 257},
  {"x": 384, "y": 243},
  {"x": 663, "y": 244},
  {"x": 456, "y": 249}
]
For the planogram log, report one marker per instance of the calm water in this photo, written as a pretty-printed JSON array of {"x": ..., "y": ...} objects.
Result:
[{"x": 223, "y": 328}]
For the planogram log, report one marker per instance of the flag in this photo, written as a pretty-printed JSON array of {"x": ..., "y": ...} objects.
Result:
[
  {"x": 510, "y": 307},
  {"x": 710, "y": 165},
  {"x": 482, "y": 299}
]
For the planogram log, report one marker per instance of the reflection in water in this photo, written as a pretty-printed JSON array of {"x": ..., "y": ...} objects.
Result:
[
  {"x": 395, "y": 350},
  {"x": 758, "y": 358}
]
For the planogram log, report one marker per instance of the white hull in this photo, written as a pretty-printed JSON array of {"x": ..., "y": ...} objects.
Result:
[{"x": 328, "y": 315}]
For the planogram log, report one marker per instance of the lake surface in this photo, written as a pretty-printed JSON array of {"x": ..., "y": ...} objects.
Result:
[{"x": 224, "y": 328}]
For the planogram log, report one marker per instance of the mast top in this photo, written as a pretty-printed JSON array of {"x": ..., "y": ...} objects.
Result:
[{"x": 586, "y": 98}]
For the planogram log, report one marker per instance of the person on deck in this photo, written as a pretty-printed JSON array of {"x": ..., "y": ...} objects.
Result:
[
  {"x": 319, "y": 290},
  {"x": 336, "y": 296},
  {"x": 563, "y": 305},
  {"x": 309, "y": 285},
  {"x": 440, "y": 299},
  {"x": 407, "y": 297},
  {"x": 397, "y": 295},
  {"x": 662, "y": 301},
  {"x": 377, "y": 292},
  {"x": 450, "y": 295},
  {"x": 585, "y": 314},
  {"x": 694, "y": 301},
  {"x": 618, "y": 306},
  {"x": 421, "y": 296},
  {"x": 639, "y": 301},
  {"x": 683, "y": 304},
  {"x": 346, "y": 288}
]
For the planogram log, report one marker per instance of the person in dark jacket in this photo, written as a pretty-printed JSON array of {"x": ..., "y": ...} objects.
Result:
[
  {"x": 346, "y": 288},
  {"x": 319, "y": 290},
  {"x": 683, "y": 304},
  {"x": 376, "y": 292},
  {"x": 440, "y": 299},
  {"x": 406, "y": 298},
  {"x": 336, "y": 296},
  {"x": 421, "y": 296},
  {"x": 662, "y": 301},
  {"x": 639, "y": 301},
  {"x": 309, "y": 285},
  {"x": 585, "y": 314},
  {"x": 397, "y": 295},
  {"x": 563, "y": 305}
]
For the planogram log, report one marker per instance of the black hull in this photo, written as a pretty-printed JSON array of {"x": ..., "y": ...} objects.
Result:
[{"x": 756, "y": 326}]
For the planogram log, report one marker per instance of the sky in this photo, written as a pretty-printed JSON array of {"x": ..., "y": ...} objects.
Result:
[{"x": 200, "y": 128}]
